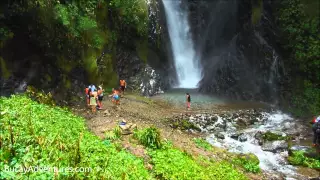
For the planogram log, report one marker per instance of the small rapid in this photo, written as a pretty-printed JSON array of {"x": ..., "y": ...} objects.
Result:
[
  {"x": 263, "y": 132},
  {"x": 269, "y": 161}
]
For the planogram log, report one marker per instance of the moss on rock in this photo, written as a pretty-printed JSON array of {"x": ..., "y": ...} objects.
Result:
[
  {"x": 269, "y": 136},
  {"x": 5, "y": 73}
]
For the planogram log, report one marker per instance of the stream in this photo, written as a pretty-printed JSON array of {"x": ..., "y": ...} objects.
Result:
[{"x": 239, "y": 129}]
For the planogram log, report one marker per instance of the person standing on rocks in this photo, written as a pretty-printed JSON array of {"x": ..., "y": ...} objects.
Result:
[
  {"x": 100, "y": 96},
  {"x": 123, "y": 85},
  {"x": 93, "y": 100},
  {"x": 316, "y": 131},
  {"x": 188, "y": 100},
  {"x": 87, "y": 95},
  {"x": 115, "y": 97}
]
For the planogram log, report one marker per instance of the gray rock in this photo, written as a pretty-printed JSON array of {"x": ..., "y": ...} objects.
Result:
[
  {"x": 258, "y": 135},
  {"x": 242, "y": 122},
  {"x": 220, "y": 136},
  {"x": 235, "y": 136},
  {"x": 218, "y": 129},
  {"x": 243, "y": 138},
  {"x": 275, "y": 146}
]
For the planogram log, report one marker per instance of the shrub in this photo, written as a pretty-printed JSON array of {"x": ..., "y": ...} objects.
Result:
[
  {"x": 298, "y": 158},
  {"x": 40, "y": 96},
  {"x": 113, "y": 135},
  {"x": 248, "y": 161},
  {"x": 149, "y": 137},
  {"x": 170, "y": 163}
]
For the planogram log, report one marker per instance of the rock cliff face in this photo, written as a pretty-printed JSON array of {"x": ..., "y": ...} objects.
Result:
[
  {"x": 236, "y": 42},
  {"x": 145, "y": 64},
  {"x": 157, "y": 72}
]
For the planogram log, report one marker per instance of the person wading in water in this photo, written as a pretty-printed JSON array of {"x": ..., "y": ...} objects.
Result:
[{"x": 188, "y": 99}]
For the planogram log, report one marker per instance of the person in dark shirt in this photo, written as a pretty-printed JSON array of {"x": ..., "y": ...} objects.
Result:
[{"x": 188, "y": 99}]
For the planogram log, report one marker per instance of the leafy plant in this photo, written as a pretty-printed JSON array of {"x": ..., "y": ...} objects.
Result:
[
  {"x": 202, "y": 143},
  {"x": 248, "y": 161},
  {"x": 40, "y": 96},
  {"x": 298, "y": 158},
  {"x": 170, "y": 163},
  {"x": 46, "y": 136},
  {"x": 149, "y": 137},
  {"x": 301, "y": 33}
]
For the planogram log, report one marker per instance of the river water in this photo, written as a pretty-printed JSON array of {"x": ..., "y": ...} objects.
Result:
[{"x": 274, "y": 121}]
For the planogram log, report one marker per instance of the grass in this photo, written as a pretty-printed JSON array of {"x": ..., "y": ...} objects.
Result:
[
  {"x": 202, "y": 143},
  {"x": 171, "y": 163},
  {"x": 34, "y": 134}
]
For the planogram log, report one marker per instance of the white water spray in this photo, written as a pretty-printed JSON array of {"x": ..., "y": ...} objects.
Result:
[{"x": 183, "y": 51}]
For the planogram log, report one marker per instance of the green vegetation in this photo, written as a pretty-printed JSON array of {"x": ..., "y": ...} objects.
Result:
[
  {"x": 4, "y": 70},
  {"x": 171, "y": 163},
  {"x": 34, "y": 134},
  {"x": 72, "y": 35},
  {"x": 256, "y": 11},
  {"x": 249, "y": 162},
  {"x": 300, "y": 25},
  {"x": 269, "y": 136},
  {"x": 298, "y": 158},
  {"x": 49, "y": 136},
  {"x": 40, "y": 96},
  {"x": 149, "y": 137},
  {"x": 202, "y": 143},
  {"x": 113, "y": 135},
  {"x": 184, "y": 124}
]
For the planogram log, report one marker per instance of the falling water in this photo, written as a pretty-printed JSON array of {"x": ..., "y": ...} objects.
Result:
[
  {"x": 183, "y": 51},
  {"x": 273, "y": 69}
]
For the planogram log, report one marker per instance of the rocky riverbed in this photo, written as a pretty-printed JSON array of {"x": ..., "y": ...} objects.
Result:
[{"x": 269, "y": 134}]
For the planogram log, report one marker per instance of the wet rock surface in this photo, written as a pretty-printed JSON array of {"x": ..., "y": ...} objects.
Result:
[
  {"x": 262, "y": 132},
  {"x": 275, "y": 146}
]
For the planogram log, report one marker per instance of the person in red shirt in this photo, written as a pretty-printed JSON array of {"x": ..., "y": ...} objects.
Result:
[
  {"x": 87, "y": 96},
  {"x": 316, "y": 131}
]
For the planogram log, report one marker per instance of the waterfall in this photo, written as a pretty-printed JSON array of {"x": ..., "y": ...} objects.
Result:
[{"x": 184, "y": 55}]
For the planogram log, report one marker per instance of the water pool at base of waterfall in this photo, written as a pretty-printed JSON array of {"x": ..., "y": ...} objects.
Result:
[{"x": 177, "y": 96}]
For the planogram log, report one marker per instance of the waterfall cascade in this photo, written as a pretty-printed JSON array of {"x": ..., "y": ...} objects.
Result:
[{"x": 185, "y": 60}]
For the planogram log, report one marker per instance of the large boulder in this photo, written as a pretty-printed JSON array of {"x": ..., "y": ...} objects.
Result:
[{"x": 275, "y": 146}]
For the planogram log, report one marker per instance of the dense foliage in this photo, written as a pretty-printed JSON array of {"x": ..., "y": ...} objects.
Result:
[
  {"x": 170, "y": 163},
  {"x": 37, "y": 135},
  {"x": 299, "y": 22},
  {"x": 149, "y": 137},
  {"x": 68, "y": 35},
  {"x": 298, "y": 158}
]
